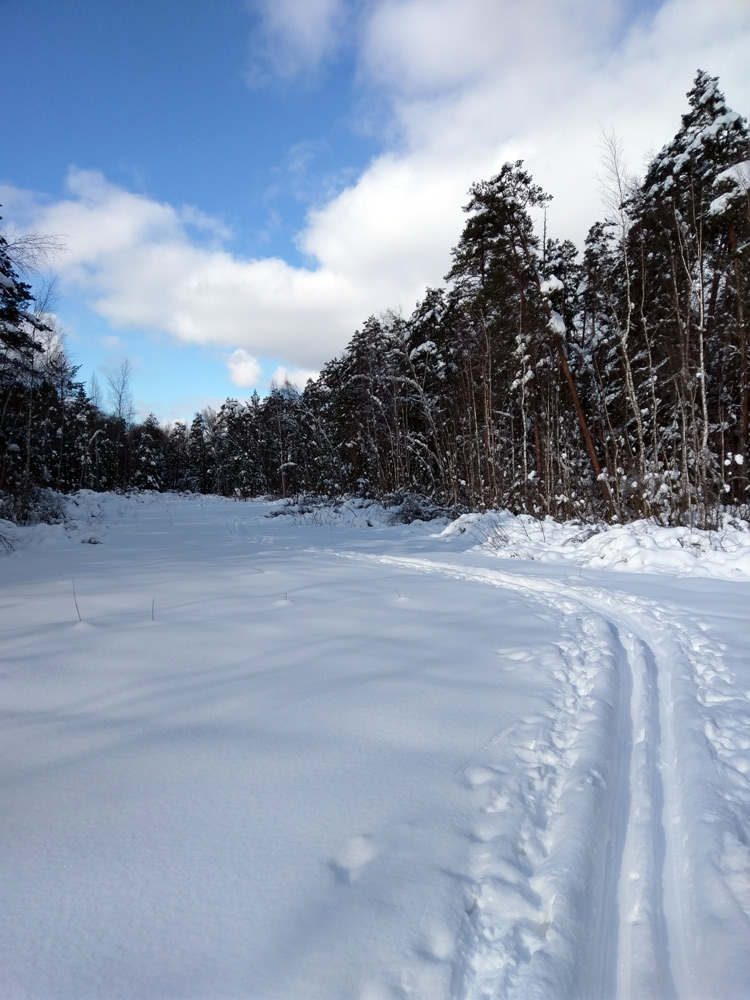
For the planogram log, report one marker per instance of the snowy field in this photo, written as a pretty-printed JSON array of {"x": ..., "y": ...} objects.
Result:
[{"x": 321, "y": 757}]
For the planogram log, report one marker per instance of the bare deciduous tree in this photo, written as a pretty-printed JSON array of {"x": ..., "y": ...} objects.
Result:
[{"x": 120, "y": 393}]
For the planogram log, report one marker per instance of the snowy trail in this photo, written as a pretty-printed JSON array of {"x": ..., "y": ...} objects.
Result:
[
  {"x": 281, "y": 758},
  {"x": 667, "y": 846}
]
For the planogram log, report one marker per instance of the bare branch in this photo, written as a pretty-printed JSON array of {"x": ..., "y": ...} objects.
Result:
[
  {"x": 29, "y": 252},
  {"x": 45, "y": 299},
  {"x": 616, "y": 183}
]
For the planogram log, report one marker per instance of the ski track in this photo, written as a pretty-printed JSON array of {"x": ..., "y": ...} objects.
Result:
[{"x": 612, "y": 798}]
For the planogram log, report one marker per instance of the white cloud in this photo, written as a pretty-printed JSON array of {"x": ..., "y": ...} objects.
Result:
[
  {"x": 421, "y": 48},
  {"x": 476, "y": 84},
  {"x": 140, "y": 267},
  {"x": 244, "y": 369},
  {"x": 294, "y": 37},
  {"x": 297, "y": 377},
  {"x": 110, "y": 342},
  {"x": 469, "y": 86}
]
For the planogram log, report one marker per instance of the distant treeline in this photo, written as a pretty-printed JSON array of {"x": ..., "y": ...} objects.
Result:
[{"x": 608, "y": 384}]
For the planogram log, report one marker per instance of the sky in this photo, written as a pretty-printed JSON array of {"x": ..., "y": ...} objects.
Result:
[{"x": 240, "y": 184}]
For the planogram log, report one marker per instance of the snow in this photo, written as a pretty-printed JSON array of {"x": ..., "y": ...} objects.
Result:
[
  {"x": 6, "y": 282},
  {"x": 551, "y": 285},
  {"x": 428, "y": 347},
  {"x": 711, "y": 88},
  {"x": 316, "y": 755},
  {"x": 641, "y": 546},
  {"x": 556, "y": 323},
  {"x": 709, "y": 132},
  {"x": 719, "y": 205},
  {"x": 739, "y": 176}
]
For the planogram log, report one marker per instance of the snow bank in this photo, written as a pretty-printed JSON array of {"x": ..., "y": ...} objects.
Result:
[{"x": 642, "y": 546}]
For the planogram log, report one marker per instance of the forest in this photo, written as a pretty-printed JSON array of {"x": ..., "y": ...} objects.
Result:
[{"x": 608, "y": 383}]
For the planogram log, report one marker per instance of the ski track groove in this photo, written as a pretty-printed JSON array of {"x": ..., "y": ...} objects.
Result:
[{"x": 639, "y": 831}]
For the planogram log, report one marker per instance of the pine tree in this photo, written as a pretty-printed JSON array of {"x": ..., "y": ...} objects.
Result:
[
  {"x": 20, "y": 350},
  {"x": 693, "y": 284}
]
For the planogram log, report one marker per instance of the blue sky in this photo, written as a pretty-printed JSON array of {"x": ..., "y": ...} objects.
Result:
[
  {"x": 158, "y": 96},
  {"x": 241, "y": 183}
]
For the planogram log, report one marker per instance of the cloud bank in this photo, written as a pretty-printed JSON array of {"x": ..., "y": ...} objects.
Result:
[{"x": 466, "y": 87}]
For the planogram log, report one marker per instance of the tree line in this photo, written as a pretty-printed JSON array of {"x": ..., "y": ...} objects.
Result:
[{"x": 611, "y": 383}]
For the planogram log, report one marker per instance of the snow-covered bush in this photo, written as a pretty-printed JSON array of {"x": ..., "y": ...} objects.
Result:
[{"x": 33, "y": 506}]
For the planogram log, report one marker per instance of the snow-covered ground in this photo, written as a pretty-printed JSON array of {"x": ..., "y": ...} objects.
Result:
[{"x": 318, "y": 757}]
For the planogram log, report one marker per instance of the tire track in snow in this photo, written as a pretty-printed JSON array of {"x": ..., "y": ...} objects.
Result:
[{"x": 666, "y": 865}]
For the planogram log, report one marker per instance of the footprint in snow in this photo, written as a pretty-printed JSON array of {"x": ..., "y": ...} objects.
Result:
[
  {"x": 438, "y": 942},
  {"x": 353, "y": 857},
  {"x": 477, "y": 775}
]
